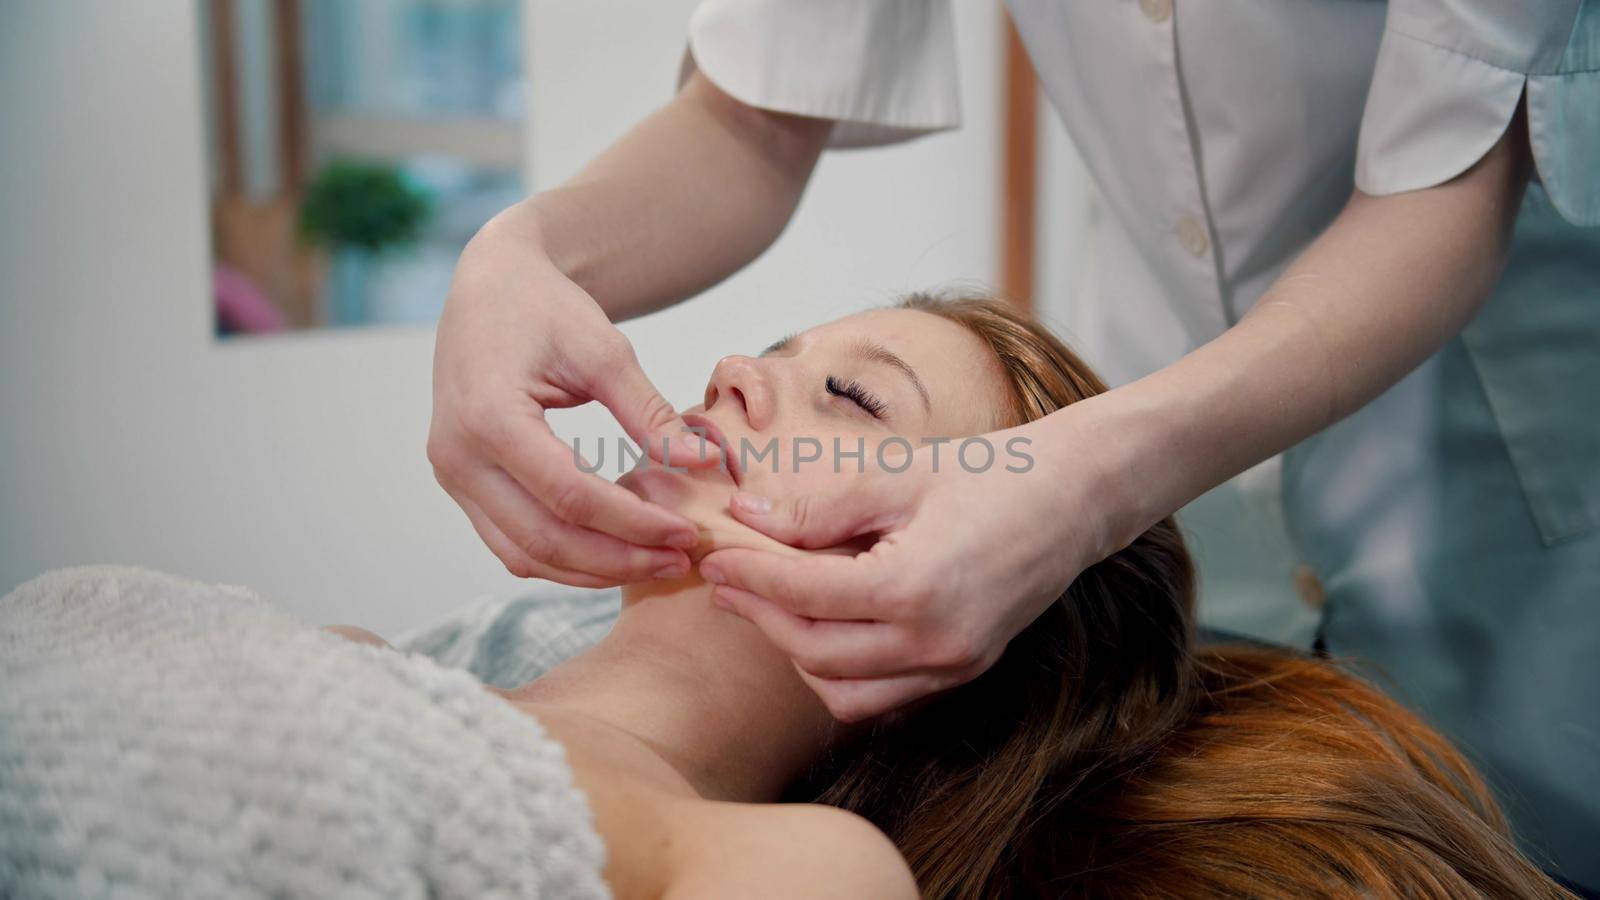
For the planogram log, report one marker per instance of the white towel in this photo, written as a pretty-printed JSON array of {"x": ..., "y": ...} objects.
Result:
[{"x": 165, "y": 738}]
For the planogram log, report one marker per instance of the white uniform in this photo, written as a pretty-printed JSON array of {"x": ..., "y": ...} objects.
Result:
[{"x": 1455, "y": 522}]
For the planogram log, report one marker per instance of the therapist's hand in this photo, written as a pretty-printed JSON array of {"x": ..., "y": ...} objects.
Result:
[
  {"x": 963, "y": 562},
  {"x": 518, "y": 337}
]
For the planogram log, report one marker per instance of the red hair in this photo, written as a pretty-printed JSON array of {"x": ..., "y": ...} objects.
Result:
[{"x": 1105, "y": 756}]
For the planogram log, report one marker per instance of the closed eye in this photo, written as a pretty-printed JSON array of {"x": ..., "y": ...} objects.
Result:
[{"x": 852, "y": 390}]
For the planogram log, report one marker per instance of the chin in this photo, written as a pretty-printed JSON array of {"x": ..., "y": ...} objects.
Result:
[{"x": 701, "y": 496}]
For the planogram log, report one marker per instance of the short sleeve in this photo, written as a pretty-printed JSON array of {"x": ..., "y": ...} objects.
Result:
[
  {"x": 1448, "y": 77},
  {"x": 884, "y": 70}
]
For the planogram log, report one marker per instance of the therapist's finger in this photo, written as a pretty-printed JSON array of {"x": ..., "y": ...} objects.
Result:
[
  {"x": 548, "y": 540},
  {"x": 822, "y": 647},
  {"x": 524, "y": 446},
  {"x": 514, "y": 559},
  {"x": 621, "y": 386},
  {"x": 863, "y": 504},
  {"x": 817, "y": 587},
  {"x": 858, "y": 699}
]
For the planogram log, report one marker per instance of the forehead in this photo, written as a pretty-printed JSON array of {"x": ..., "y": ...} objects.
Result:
[{"x": 965, "y": 383}]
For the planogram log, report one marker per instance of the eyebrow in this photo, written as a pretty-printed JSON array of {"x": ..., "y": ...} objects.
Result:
[
  {"x": 780, "y": 344},
  {"x": 872, "y": 351}
]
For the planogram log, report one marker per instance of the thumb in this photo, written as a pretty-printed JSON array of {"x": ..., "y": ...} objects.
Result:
[
  {"x": 646, "y": 416},
  {"x": 866, "y": 504}
]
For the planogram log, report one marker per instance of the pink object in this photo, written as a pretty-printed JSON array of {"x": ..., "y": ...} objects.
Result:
[{"x": 241, "y": 306}]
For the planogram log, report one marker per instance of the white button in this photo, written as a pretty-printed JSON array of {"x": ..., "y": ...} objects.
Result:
[
  {"x": 1192, "y": 235},
  {"x": 1157, "y": 10}
]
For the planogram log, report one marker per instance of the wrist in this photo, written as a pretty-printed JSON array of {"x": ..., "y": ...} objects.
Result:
[
  {"x": 510, "y": 249},
  {"x": 1094, "y": 451},
  {"x": 515, "y": 232},
  {"x": 551, "y": 229}
]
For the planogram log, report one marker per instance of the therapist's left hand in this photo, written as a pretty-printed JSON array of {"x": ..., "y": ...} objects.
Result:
[{"x": 963, "y": 562}]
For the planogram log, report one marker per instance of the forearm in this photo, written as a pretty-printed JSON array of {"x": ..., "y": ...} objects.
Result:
[
  {"x": 1388, "y": 283},
  {"x": 680, "y": 202}
]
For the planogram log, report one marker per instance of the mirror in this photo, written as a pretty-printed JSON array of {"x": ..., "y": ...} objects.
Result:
[{"x": 354, "y": 146}]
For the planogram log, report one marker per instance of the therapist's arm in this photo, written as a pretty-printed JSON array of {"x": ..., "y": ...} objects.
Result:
[
  {"x": 678, "y": 203},
  {"x": 963, "y": 562},
  {"x": 1389, "y": 282},
  {"x": 683, "y": 200}
]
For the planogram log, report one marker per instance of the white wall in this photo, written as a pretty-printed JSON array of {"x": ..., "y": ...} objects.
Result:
[{"x": 295, "y": 465}]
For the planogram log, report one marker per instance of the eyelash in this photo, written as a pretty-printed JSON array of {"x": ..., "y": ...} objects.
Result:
[{"x": 852, "y": 390}]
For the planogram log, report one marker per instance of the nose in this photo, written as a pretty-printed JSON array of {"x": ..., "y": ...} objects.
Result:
[{"x": 744, "y": 383}]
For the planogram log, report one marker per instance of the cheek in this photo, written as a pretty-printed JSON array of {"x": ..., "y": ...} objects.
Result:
[
  {"x": 698, "y": 500},
  {"x": 689, "y": 493},
  {"x": 703, "y": 496},
  {"x": 806, "y": 463}
]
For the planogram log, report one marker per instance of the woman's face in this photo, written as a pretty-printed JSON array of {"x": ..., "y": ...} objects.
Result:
[{"x": 853, "y": 383}]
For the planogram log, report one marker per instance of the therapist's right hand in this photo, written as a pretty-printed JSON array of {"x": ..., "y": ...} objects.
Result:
[{"x": 518, "y": 337}]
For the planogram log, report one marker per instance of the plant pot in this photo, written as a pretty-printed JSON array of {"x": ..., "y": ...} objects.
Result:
[{"x": 350, "y": 286}]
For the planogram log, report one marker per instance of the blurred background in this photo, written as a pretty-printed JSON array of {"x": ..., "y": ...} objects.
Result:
[
  {"x": 226, "y": 227},
  {"x": 352, "y": 149}
]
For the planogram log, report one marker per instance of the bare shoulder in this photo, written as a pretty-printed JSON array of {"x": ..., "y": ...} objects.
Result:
[{"x": 790, "y": 851}]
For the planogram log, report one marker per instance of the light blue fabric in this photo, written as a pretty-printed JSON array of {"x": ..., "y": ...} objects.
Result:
[
  {"x": 510, "y": 639},
  {"x": 1536, "y": 348},
  {"x": 1461, "y": 554},
  {"x": 1564, "y": 121},
  {"x": 1247, "y": 564}
]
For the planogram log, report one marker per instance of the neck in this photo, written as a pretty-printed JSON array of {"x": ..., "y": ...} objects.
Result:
[{"x": 701, "y": 688}]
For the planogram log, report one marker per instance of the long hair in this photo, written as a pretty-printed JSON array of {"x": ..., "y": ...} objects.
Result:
[{"x": 1103, "y": 755}]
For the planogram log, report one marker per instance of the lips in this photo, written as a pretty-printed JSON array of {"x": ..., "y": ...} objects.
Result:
[{"x": 714, "y": 435}]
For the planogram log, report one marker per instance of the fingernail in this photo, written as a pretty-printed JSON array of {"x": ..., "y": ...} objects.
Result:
[
  {"x": 676, "y": 570},
  {"x": 752, "y": 503},
  {"x": 683, "y": 540},
  {"x": 711, "y": 573}
]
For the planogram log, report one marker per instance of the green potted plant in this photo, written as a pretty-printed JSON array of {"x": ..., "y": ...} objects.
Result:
[{"x": 358, "y": 211}]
